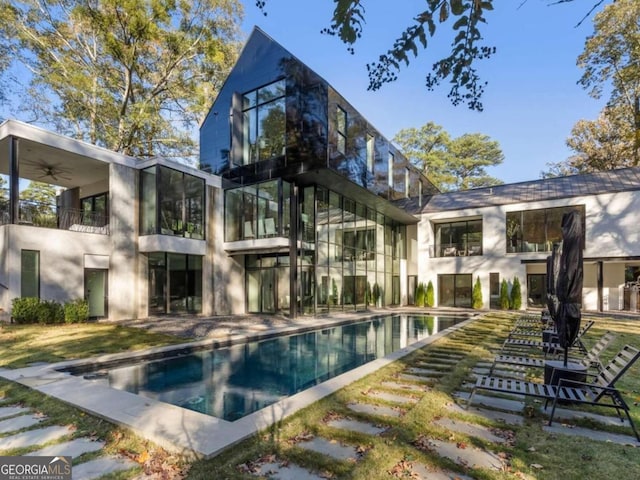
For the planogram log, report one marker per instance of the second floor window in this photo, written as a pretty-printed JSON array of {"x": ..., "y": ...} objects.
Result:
[
  {"x": 537, "y": 230},
  {"x": 264, "y": 122},
  {"x": 454, "y": 239}
]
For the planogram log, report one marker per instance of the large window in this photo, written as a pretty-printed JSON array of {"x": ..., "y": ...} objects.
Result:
[
  {"x": 172, "y": 203},
  {"x": 537, "y": 230},
  {"x": 460, "y": 238},
  {"x": 454, "y": 290},
  {"x": 257, "y": 211},
  {"x": 30, "y": 273},
  {"x": 175, "y": 283},
  {"x": 264, "y": 123}
]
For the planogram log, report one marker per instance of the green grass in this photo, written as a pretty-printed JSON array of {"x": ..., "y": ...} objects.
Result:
[{"x": 24, "y": 344}]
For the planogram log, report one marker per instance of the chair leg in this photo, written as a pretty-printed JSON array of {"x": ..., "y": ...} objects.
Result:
[
  {"x": 473, "y": 392},
  {"x": 553, "y": 408},
  {"x": 633, "y": 427}
]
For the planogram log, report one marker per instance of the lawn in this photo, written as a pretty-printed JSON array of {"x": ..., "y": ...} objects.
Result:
[
  {"x": 530, "y": 453},
  {"x": 22, "y": 345}
]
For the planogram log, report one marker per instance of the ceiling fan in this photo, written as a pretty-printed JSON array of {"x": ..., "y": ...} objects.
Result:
[{"x": 53, "y": 171}]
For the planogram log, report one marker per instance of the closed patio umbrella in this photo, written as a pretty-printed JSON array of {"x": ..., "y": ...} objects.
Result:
[{"x": 570, "y": 278}]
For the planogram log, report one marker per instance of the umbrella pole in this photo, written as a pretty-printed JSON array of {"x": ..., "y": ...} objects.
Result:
[{"x": 566, "y": 355}]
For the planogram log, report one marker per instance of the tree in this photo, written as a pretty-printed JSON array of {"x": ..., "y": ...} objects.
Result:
[
  {"x": 420, "y": 294},
  {"x": 451, "y": 164},
  {"x": 516, "y": 295},
  {"x": 429, "y": 296},
  {"x": 130, "y": 75},
  {"x": 465, "y": 17},
  {"x": 612, "y": 57},
  {"x": 504, "y": 295},
  {"x": 476, "y": 295},
  {"x": 38, "y": 202}
]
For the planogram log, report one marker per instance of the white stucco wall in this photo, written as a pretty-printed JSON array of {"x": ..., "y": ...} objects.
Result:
[
  {"x": 62, "y": 256},
  {"x": 612, "y": 233}
]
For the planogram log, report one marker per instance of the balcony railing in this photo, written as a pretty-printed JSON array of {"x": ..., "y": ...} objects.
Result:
[
  {"x": 48, "y": 216},
  {"x": 456, "y": 250}
]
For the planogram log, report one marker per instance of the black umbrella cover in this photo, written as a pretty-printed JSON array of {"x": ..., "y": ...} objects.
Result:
[{"x": 570, "y": 278}]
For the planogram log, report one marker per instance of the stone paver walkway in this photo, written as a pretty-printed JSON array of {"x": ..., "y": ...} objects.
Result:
[{"x": 20, "y": 432}]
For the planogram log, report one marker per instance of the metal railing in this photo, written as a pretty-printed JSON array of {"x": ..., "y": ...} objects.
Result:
[{"x": 49, "y": 216}]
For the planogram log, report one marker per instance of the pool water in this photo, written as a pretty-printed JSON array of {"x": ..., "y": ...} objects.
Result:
[{"x": 235, "y": 381}]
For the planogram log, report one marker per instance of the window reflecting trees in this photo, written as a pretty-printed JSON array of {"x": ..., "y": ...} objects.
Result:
[
  {"x": 537, "y": 230},
  {"x": 171, "y": 203}
]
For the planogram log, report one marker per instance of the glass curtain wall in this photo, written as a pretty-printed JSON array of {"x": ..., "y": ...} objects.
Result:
[
  {"x": 171, "y": 203},
  {"x": 358, "y": 254}
]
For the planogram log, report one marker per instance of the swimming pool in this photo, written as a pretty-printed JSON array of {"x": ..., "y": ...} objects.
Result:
[{"x": 235, "y": 381}]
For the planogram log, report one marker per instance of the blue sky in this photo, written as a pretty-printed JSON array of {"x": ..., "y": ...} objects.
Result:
[{"x": 530, "y": 105}]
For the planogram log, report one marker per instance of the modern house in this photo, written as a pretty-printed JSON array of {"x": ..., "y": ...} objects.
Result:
[{"x": 299, "y": 206}]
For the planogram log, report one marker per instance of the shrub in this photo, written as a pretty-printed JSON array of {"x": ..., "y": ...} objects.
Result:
[
  {"x": 50, "y": 311},
  {"x": 25, "y": 309},
  {"x": 516, "y": 295},
  {"x": 376, "y": 293},
  {"x": 504, "y": 295},
  {"x": 76, "y": 311},
  {"x": 476, "y": 296},
  {"x": 420, "y": 294},
  {"x": 430, "y": 296}
]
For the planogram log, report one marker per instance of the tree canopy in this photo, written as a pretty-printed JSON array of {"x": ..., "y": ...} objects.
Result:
[
  {"x": 129, "y": 75},
  {"x": 610, "y": 60},
  {"x": 451, "y": 163}
]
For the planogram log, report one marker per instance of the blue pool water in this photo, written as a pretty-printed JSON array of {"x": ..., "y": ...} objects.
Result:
[{"x": 235, "y": 381}]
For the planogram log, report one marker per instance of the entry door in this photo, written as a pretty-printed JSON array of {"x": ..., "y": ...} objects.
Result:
[
  {"x": 95, "y": 291},
  {"x": 537, "y": 289}
]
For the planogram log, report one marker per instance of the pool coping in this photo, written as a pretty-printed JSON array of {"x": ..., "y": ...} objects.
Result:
[{"x": 186, "y": 431}]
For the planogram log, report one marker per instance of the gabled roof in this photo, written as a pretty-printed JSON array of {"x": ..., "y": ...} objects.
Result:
[{"x": 610, "y": 181}]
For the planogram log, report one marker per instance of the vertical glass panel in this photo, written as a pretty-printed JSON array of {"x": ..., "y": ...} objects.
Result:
[
  {"x": 148, "y": 204},
  {"x": 194, "y": 206},
  {"x": 463, "y": 290},
  {"x": 446, "y": 290},
  {"x": 307, "y": 217},
  {"x": 271, "y": 129},
  {"x": 253, "y": 291},
  {"x": 390, "y": 161},
  {"x": 533, "y": 230},
  {"x": 171, "y": 192},
  {"x": 233, "y": 215},
  {"x": 371, "y": 141},
  {"x": 194, "y": 283},
  {"x": 268, "y": 225},
  {"x": 177, "y": 271},
  {"x": 514, "y": 230},
  {"x": 284, "y": 296},
  {"x": 249, "y": 217},
  {"x": 30, "y": 273},
  {"x": 157, "y": 283},
  {"x": 268, "y": 290},
  {"x": 286, "y": 208},
  {"x": 341, "y": 127}
]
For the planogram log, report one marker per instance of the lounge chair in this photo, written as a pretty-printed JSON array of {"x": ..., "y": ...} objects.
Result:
[
  {"x": 577, "y": 393},
  {"x": 548, "y": 347},
  {"x": 591, "y": 358}
]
